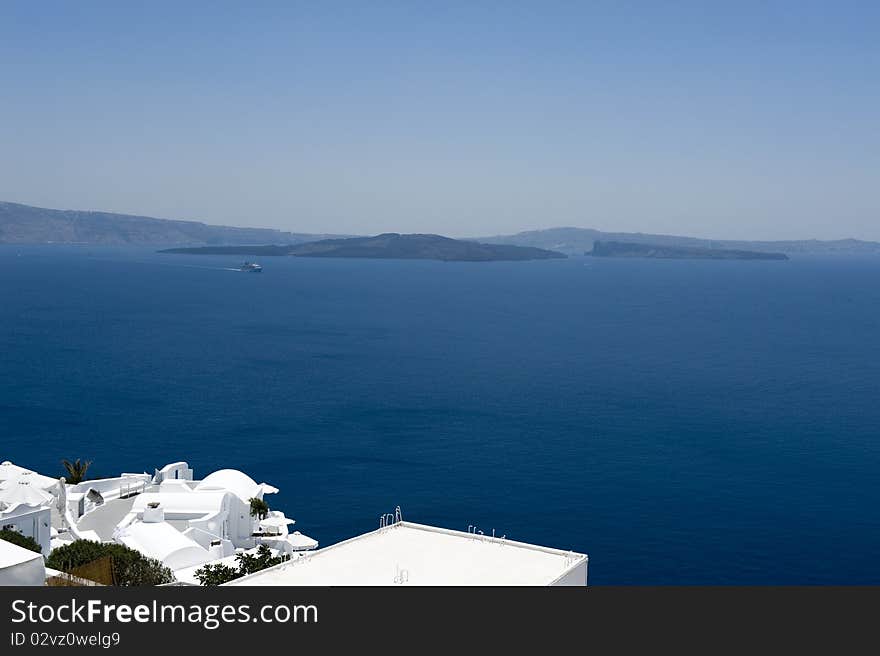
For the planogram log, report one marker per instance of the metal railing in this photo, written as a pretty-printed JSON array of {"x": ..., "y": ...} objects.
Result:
[
  {"x": 130, "y": 489},
  {"x": 389, "y": 519}
]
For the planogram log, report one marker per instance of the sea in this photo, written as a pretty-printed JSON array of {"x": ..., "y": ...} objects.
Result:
[{"x": 682, "y": 422}]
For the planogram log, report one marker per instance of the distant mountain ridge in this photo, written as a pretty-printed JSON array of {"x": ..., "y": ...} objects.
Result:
[
  {"x": 25, "y": 224},
  {"x": 390, "y": 245},
  {"x": 577, "y": 241},
  {"x": 629, "y": 249}
]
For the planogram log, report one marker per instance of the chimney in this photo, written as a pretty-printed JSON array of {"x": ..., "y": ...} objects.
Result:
[{"x": 154, "y": 513}]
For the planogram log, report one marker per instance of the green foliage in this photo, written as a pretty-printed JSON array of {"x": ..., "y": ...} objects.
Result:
[
  {"x": 216, "y": 574},
  {"x": 76, "y": 470},
  {"x": 130, "y": 567},
  {"x": 250, "y": 563},
  {"x": 21, "y": 540},
  {"x": 259, "y": 508},
  {"x": 219, "y": 573}
]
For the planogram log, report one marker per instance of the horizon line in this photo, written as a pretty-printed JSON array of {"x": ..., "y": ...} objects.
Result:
[{"x": 469, "y": 238}]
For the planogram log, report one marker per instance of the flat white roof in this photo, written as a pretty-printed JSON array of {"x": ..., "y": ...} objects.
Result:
[
  {"x": 183, "y": 503},
  {"x": 11, "y": 554},
  {"x": 20, "y": 566},
  {"x": 416, "y": 554}
]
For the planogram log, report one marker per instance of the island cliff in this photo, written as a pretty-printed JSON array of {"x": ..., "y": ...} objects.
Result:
[{"x": 390, "y": 245}]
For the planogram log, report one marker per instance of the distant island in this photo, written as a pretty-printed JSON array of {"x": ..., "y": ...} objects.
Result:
[
  {"x": 576, "y": 241},
  {"x": 627, "y": 249},
  {"x": 389, "y": 245}
]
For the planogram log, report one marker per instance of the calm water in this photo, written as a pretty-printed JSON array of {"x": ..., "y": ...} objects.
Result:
[{"x": 681, "y": 422}]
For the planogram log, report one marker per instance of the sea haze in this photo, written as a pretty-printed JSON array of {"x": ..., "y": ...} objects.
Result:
[{"x": 683, "y": 422}]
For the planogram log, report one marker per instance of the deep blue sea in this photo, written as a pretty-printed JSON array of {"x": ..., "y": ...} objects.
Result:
[{"x": 682, "y": 422}]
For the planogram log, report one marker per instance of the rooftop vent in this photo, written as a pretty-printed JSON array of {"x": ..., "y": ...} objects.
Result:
[{"x": 154, "y": 513}]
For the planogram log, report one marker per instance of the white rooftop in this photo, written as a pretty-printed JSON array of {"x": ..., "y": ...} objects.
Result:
[
  {"x": 160, "y": 540},
  {"x": 190, "y": 503},
  {"x": 416, "y": 554},
  {"x": 20, "y": 566}
]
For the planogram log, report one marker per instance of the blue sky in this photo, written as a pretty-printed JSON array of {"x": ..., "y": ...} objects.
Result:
[{"x": 740, "y": 120}]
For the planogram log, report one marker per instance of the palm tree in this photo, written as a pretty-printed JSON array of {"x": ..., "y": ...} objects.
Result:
[
  {"x": 76, "y": 471},
  {"x": 259, "y": 508}
]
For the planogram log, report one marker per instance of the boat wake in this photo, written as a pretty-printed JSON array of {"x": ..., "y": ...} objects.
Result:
[{"x": 209, "y": 268}]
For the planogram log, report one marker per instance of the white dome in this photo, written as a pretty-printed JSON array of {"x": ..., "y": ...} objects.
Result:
[{"x": 239, "y": 483}]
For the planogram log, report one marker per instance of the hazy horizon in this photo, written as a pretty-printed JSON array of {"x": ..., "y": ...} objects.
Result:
[
  {"x": 754, "y": 122},
  {"x": 462, "y": 236}
]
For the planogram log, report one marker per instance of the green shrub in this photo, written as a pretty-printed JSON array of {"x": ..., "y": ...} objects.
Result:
[
  {"x": 219, "y": 573},
  {"x": 130, "y": 567},
  {"x": 250, "y": 563},
  {"x": 21, "y": 540},
  {"x": 216, "y": 574}
]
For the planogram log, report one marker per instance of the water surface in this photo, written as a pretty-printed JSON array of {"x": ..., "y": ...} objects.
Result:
[{"x": 680, "y": 421}]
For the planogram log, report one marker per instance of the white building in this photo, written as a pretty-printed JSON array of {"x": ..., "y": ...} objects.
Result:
[
  {"x": 33, "y": 521},
  {"x": 26, "y": 499},
  {"x": 173, "y": 518},
  {"x": 214, "y": 514}
]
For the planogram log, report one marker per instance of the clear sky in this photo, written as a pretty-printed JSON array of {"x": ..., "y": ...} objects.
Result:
[{"x": 728, "y": 120}]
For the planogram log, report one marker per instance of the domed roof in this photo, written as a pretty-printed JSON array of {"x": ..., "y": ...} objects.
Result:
[{"x": 239, "y": 483}]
